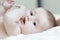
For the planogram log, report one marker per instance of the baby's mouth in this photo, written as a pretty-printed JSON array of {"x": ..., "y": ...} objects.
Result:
[{"x": 22, "y": 20}]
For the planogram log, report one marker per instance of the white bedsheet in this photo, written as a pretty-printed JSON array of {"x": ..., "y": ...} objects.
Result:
[{"x": 51, "y": 34}]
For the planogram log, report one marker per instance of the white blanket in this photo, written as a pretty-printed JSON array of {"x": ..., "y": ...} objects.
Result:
[{"x": 50, "y": 34}]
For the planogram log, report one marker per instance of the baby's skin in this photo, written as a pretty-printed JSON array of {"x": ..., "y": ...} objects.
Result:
[
  {"x": 5, "y": 5},
  {"x": 58, "y": 22},
  {"x": 26, "y": 21},
  {"x": 12, "y": 19},
  {"x": 37, "y": 20}
]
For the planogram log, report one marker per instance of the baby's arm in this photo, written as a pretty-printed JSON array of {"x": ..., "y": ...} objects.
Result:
[{"x": 5, "y": 5}]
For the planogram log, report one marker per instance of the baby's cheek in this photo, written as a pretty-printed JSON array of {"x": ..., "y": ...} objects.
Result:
[
  {"x": 30, "y": 24},
  {"x": 29, "y": 28}
]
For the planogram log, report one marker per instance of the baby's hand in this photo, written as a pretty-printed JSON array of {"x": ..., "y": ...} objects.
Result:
[{"x": 7, "y": 4}]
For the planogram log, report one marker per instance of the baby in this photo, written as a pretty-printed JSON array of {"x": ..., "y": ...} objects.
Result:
[
  {"x": 21, "y": 20},
  {"x": 25, "y": 21},
  {"x": 5, "y": 5}
]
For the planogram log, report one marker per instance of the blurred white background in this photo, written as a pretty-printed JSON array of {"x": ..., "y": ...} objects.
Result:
[{"x": 52, "y": 5}]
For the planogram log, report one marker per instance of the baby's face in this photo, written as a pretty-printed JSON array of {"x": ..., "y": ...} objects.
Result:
[
  {"x": 35, "y": 20},
  {"x": 29, "y": 21}
]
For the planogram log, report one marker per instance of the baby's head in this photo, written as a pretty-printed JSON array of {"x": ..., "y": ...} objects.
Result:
[
  {"x": 37, "y": 20},
  {"x": 29, "y": 21}
]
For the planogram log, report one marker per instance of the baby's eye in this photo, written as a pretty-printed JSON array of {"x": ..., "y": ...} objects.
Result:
[
  {"x": 31, "y": 14},
  {"x": 34, "y": 23}
]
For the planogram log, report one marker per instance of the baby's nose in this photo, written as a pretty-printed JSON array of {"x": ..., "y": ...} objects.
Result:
[
  {"x": 30, "y": 18},
  {"x": 27, "y": 18}
]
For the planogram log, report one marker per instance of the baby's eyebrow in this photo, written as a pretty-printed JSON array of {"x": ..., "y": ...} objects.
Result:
[{"x": 33, "y": 11}]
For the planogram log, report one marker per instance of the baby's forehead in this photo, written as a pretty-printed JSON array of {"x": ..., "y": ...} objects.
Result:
[{"x": 38, "y": 10}]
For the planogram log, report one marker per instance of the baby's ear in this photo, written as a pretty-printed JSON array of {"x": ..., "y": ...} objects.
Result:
[{"x": 58, "y": 22}]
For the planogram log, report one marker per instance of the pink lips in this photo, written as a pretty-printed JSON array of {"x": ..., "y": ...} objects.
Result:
[{"x": 22, "y": 20}]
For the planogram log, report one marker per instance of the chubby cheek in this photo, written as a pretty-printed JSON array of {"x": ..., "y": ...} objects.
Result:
[{"x": 29, "y": 28}]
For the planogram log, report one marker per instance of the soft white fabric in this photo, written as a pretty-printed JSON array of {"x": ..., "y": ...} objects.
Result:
[{"x": 50, "y": 34}]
